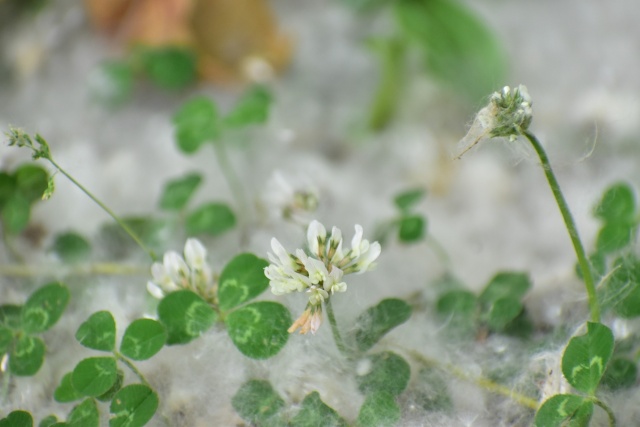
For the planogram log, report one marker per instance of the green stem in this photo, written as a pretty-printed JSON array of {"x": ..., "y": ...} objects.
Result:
[
  {"x": 103, "y": 269},
  {"x": 104, "y": 207},
  {"x": 583, "y": 262},
  {"x": 235, "y": 185},
  {"x": 612, "y": 417},
  {"x": 4, "y": 391},
  {"x": 132, "y": 367},
  {"x": 334, "y": 329},
  {"x": 479, "y": 381}
]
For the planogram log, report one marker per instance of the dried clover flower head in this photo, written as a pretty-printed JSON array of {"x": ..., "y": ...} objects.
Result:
[{"x": 507, "y": 115}]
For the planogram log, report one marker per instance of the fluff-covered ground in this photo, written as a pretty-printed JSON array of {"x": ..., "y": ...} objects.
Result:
[{"x": 490, "y": 211}]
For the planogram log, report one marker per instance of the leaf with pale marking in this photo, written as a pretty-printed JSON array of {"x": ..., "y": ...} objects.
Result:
[
  {"x": 585, "y": 359},
  {"x": 259, "y": 329},
  {"x": 241, "y": 280}
]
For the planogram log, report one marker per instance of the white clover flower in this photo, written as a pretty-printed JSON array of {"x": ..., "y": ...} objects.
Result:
[
  {"x": 320, "y": 270},
  {"x": 175, "y": 272},
  {"x": 507, "y": 115},
  {"x": 286, "y": 201}
]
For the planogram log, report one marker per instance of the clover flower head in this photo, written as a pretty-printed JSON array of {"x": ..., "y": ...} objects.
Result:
[
  {"x": 290, "y": 202},
  {"x": 319, "y": 270},
  {"x": 512, "y": 112},
  {"x": 507, "y": 115},
  {"x": 177, "y": 272}
]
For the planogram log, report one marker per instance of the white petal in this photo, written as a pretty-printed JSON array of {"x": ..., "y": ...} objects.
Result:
[
  {"x": 159, "y": 273},
  {"x": 356, "y": 241},
  {"x": 176, "y": 267},
  {"x": 155, "y": 290},
  {"x": 283, "y": 257},
  {"x": 366, "y": 261},
  {"x": 335, "y": 246},
  {"x": 316, "y": 234},
  {"x": 195, "y": 253}
]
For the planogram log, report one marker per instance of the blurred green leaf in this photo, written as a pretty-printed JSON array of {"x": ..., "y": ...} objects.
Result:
[
  {"x": 458, "y": 309},
  {"x": 241, "y": 280},
  {"x": 16, "y": 213},
  {"x": 17, "y": 419},
  {"x": 112, "y": 83},
  {"x": 98, "y": 332},
  {"x": 252, "y": 108},
  {"x": 314, "y": 412},
  {"x": 618, "y": 205},
  {"x": 142, "y": 339},
  {"x": 614, "y": 236},
  {"x": 620, "y": 373},
  {"x": 256, "y": 401},
  {"x": 212, "y": 218},
  {"x": 409, "y": 198},
  {"x": 412, "y": 228},
  {"x": 10, "y": 316},
  {"x": 620, "y": 289},
  {"x": 31, "y": 181},
  {"x": 6, "y": 338},
  {"x": 44, "y": 307},
  {"x": 586, "y": 356},
  {"x": 458, "y": 48},
  {"x": 133, "y": 406},
  {"x": 259, "y": 329},
  {"x": 379, "y": 410},
  {"x": 376, "y": 321},
  {"x": 196, "y": 122},
  {"x": 431, "y": 391},
  {"x": 388, "y": 372},
  {"x": 502, "y": 312},
  {"x": 71, "y": 247},
  {"x": 505, "y": 285},
  {"x": 48, "y": 421},
  {"x": 169, "y": 67},
  {"x": 390, "y": 53},
  {"x": 94, "y": 376},
  {"x": 7, "y": 187},
  {"x": 564, "y": 410},
  {"x": 629, "y": 306},
  {"x": 177, "y": 192},
  {"x": 26, "y": 356},
  {"x": 185, "y": 315}
]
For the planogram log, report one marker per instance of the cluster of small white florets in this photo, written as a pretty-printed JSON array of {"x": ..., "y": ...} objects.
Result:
[
  {"x": 176, "y": 272},
  {"x": 320, "y": 271}
]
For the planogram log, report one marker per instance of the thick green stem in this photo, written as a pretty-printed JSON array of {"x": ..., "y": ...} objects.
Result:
[
  {"x": 479, "y": 381},
  {"x": 105, "y": 208},
  {"x": 334, "y": 329},
  {"x": 235, "y": 185},
  {"x": 612, "y": 417},
  {"x": 583, "y": 262}
]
